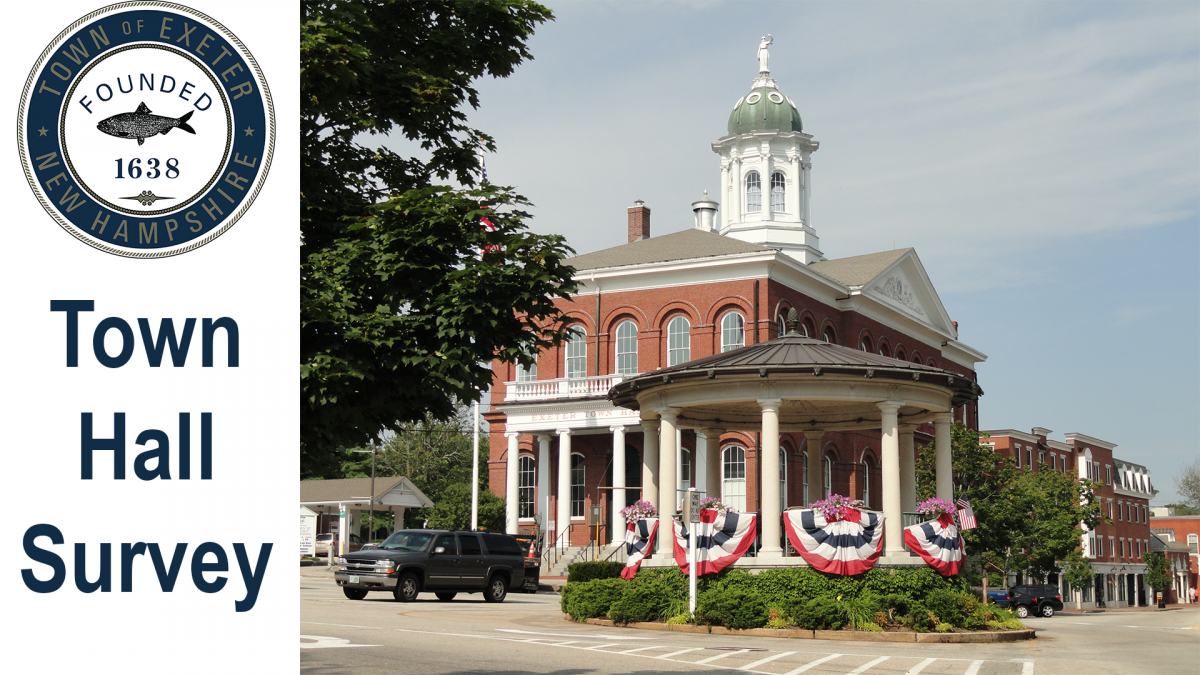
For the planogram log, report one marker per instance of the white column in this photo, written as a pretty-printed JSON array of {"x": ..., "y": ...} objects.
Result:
[
  {"x": 712, "y": 469},
  {"x": 806, "y": 190},
  {"x": 793, "y": 187},
  {"x": 816, "y": 473},
  {"x": 511, "y": 464},
  {"x": 735, "y": 172},
  {"x": 943, "y": 462},
  {"x": 650, "y": 460},
  {"x": 768, "y": 169},
  {"x": 668, "y": 483},
  {"x": 769, "y": 495},
  {"x": 725, "y": 196},
  {"x": 908, "y": 470},
  {"x": 618, "y": 492},
  {"x": 893, "y": 530},
  {"x": 564, "y": 482},
  {"x": 543, "y": 488}
]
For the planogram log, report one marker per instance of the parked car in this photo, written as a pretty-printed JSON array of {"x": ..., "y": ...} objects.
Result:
[
  {"x": 999, "y": 597},
  {"x": 532, "y": 552},
  {"x": 445, "y": 563},
  {"x": 1036, "y": 599},
  {"x": 324, "y": 540}
]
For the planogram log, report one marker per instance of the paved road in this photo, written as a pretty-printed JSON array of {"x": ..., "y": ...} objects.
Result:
[{"x": 526, "y": 634}]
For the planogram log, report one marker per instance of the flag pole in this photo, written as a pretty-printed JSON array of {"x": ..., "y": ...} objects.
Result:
[{"x": 475, "y": 473}]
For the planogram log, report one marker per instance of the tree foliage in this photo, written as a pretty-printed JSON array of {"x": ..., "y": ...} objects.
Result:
[
  {"x": 1078, "y": 574},
  {"x": 1027, "y": 521},
  {"x": 400, "y": 315},
  {"x": 1187, "y": 484},
  {"x": 1158, "y": 570}
]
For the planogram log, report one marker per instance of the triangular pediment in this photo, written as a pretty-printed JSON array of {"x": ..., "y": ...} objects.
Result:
[{"x": 904, "y": 286}]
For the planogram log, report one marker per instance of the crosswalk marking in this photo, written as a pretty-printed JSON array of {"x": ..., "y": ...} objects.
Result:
[
  {"x": 973, "y": 669},
  {"x": 603, "y": 645},
  {"x": 863, "y": 668},
  {"x": 1027, "y": 669},
  {"x": 681, "y": 651},
  {"x": 751, "y": 666},
  {"x": 721, "y": 656},
  {"x": 812, "y": 664},
  {"x": 641, "y": 649},
  {"x": 919, "y": 667}
]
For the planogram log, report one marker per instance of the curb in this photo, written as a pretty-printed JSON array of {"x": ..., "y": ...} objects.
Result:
[{"x": 851, "y": 636}]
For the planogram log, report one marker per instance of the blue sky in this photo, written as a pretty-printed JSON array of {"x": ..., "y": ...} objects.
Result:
[{"x": 1043, "y": 159}]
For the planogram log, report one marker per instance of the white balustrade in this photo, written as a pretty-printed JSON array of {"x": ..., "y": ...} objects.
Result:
[{"x": 562, "y": 387}]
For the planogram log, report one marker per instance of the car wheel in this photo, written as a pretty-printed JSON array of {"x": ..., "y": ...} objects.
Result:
[
  {"x": 355, "y": 593},
  {"x": 1022, "y": 612},
  {"x": 496, "y": 589},
  {"x": 407, "y": 588},
  {"x": 445, "y": 597},
  {"x": 1047, "y": 611}
]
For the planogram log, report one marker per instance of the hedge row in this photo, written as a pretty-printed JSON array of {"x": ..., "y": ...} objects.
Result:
[
  {"x": 586, "y": 571},
  {"x": 919, "y": 598}
]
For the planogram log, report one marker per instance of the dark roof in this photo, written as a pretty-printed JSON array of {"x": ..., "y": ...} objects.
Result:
[
  {"x": 359, "y": 489},
  {"x": 859, "y": 269},
  {"x": 685, "y": 245},
  {"x": 794, "y": 353}
]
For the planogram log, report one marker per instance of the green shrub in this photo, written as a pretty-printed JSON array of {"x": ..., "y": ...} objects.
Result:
[
  {"x": 861, "y": 611},
  {"x": 641, "y": 602},
  {"x": 943, "y": 628},
  {"x": 732, "y": 608},
  {"x": 587, "y": 571},
  {"x": 680, "y": 619},
  {"x": 872, "y": 628},
  {"x": 943, "y": 602},
  {"x": 816, "y": 613},
  {"x": 591, "y": 599}
]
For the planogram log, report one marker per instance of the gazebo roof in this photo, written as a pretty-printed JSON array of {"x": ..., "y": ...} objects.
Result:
[{"x": 823, "y": 384}]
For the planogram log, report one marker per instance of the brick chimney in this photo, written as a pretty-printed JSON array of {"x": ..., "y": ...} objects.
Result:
[{"x": 639, "y": 221}]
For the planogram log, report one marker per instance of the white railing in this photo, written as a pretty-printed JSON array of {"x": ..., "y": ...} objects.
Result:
[{"x": 575, "y": 387}]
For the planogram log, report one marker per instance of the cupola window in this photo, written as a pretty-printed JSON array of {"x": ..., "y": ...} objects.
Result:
[
  {"x": 777, "y": 183},
  {"x": 753, "y": 193}
]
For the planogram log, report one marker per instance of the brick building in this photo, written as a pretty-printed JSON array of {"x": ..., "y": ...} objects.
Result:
[
  {"x": 1124, "y": 490},
  {"x": 728, "y": 282},
  {"x": 1184, "y": 530}
]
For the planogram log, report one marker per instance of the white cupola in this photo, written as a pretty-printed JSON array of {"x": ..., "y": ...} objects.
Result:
[{"x": 765, "y": 170}]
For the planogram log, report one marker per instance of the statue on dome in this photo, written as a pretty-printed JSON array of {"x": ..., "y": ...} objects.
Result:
[{"x": 764, "y": 57}]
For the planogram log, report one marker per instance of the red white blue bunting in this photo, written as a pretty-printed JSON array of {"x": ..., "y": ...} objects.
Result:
[
  {"x": 639, "y": 541},
  {"x": 847, "y": 547},
  {"x": 720, "y": 540},
  {"x": 938, "y": 543}
]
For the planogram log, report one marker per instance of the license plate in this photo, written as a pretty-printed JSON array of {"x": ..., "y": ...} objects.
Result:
[{"x": 353, "y": 579}]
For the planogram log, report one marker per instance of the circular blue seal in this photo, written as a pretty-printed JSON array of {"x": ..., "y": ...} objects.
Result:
[{"x": 146, "y": 129}]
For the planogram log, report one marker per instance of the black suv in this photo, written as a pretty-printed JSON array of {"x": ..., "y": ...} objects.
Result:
[
  {"x": 444, "y": 563},
  {"x": 1036, "y": 599}
]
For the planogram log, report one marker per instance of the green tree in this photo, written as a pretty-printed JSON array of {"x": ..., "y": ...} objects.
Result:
[
  {"x": 1182, "y": 509},
  {"x": 1056, "y": 507},
  {"x": 1077, "y": 572},
  {"x": 1158, "y": 571},
  {"x": 400, "y": 313},
  {"x": 986, "y": 480},
  {"x": 1187, "y": 484}
]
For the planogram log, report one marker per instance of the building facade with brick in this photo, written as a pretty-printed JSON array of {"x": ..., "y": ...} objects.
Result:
[
  {"x": 1115, "y": 547},
  {"x": 572, "y": 458},
  {"x": 1184, "y": 530}
]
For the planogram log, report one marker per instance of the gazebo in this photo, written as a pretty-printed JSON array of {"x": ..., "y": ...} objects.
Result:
[{"x": 799, "y": 384}]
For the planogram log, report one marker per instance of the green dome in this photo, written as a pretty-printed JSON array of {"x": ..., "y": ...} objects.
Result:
[{"x": 764, "y": 109}]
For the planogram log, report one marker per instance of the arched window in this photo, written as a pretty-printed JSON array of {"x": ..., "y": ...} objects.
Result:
[
  {"x": 753, "y": 192},
  {"x": 780, "y": 327},
  {"x": 884, "y": 350},
  {"x": 527, "y": 373},
  {"x": 577, "y": 353},
  {"x": 777, "y": 183},
  {"x": 679, "y": 341},
  {"x": 806, "y": 328},
  {"x": 804, "y": 477},
  {"x": 828, "y": 476},
  {"x": 783, "y": 495},
  {"x": 577, "y": 487},
  {"x": 733, "y": 484},
  {"x": 865, "y": 344},
  {"x": 627, "y": 361},
  {"x": 866, "y": 481},
  {"x": 900, "y": 354},
  {"x": 916, "y": 357},
  {"x": 526, "y": 482},
  {"x": 733, "y": 332},
  {"x": 829, "y": 336}
]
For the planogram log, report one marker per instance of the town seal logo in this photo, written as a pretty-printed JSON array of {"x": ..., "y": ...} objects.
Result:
[{"x": 146, "y": 129}]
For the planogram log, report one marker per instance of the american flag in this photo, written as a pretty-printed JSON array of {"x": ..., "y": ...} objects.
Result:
[
  {"x": 966, "y": 515},
  {"x": 487, "y": 224}
]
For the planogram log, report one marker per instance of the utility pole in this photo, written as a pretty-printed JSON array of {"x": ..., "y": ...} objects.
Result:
[
  {"x": 475, "y": 474},
  {"x": 371, "y": 516}
]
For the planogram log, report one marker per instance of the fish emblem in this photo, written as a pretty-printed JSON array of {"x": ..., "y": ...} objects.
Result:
[{"x": 140, "y": 124}]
